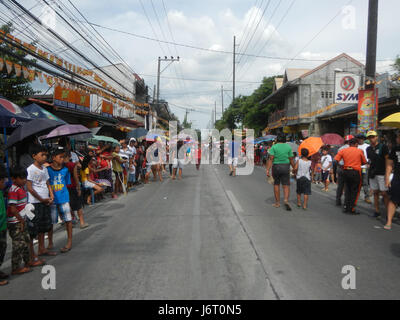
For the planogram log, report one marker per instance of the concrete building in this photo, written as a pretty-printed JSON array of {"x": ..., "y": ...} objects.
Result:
[{"x": 302, "y": 95}]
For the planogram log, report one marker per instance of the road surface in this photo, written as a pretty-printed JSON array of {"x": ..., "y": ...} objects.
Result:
[{"x": 212, "y": 236}]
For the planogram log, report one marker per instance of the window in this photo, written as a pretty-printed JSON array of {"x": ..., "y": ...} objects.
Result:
[
  {"x": 330, "y": 95},
  {"x": 323, "y": 95}
]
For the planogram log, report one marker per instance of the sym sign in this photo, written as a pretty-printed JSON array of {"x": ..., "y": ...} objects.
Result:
[{"x": 346, "y": 87}]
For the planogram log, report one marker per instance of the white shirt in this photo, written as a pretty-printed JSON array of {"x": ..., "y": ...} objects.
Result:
[
  {"x": 39, "y": 178},
  {"x": 364, "y": 147},
  {"x": 132, "y": 169},
  {"x": 304, "y": 169},
  {"x": 74, "y": 157},
  {"x": 125, "y": 154},
  {"x": 132, "y": 149},
  {"x": 325, "y": 162}
]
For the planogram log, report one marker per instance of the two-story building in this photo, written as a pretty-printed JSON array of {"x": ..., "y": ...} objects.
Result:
[{"x": 303, "y": 94}]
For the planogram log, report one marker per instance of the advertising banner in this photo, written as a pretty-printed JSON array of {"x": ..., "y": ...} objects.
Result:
[
  {"x": 367, "y": 110},
  {"x": 64, "y": 97},
  {"x": 82, "y": 101},
  {"x": 346, "y": 87},
  {"x": 107, "y": 109}
]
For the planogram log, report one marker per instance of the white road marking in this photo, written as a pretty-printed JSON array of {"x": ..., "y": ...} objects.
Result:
[{"x": 234, "y": 201}]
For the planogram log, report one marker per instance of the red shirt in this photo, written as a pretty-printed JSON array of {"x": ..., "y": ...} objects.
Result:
[
  {"x": 16, "y": 196},
  {"x": 71, "y": 166}
]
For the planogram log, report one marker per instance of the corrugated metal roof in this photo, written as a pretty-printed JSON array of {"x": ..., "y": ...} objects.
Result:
[{"x": 293, "y": 74}]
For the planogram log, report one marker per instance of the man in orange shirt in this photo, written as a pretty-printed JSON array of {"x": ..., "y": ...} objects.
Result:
[{"x": 353, "y": 159}]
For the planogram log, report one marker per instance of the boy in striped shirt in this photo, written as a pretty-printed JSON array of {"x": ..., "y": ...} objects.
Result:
[{"x": 17, "y": 200}]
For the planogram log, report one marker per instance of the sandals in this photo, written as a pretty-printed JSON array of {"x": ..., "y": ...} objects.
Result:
[
  {"x": 3, "y": 283},
  {"x": 36, "y": 263},
  {"x": 48, "y": 253},
  {"x": 65, "y": 250},
  {"x": 275, "y": 205},
  {"x": 287, "y": 207},
  {"x": 21, "y": 271},
  {"x": 387, "y": 227}
]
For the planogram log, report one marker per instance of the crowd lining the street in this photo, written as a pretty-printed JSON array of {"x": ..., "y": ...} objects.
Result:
[{"x": 373, "y": 167}]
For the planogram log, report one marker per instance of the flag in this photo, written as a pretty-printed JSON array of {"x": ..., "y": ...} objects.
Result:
[{"x": 17, "y": 69}]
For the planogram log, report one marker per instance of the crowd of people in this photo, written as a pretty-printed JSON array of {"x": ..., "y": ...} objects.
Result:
[
  {"x": 363, "y": 162},
  {"x": 51, "y": 184}
]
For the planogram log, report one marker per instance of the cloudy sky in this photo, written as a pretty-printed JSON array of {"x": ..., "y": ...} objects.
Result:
[{"x": 301, "y": 29}]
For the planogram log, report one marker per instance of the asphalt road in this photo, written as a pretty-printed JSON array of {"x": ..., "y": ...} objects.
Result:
[{"x": 212, "y": 236}]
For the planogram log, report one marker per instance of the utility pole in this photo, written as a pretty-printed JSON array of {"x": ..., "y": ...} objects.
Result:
[
  {"x": 215, "y": 108},
  {"x": 159, "y": 72},
  {"x": 222, "y": 98},
  {"x": 370, "y": 68},
  {"x": 234, "y": 67}
]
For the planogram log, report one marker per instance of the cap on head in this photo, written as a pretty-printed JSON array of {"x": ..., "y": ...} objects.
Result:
[
  {"x": 348, "y": 138},
  {"x": 372, "y": 134}
]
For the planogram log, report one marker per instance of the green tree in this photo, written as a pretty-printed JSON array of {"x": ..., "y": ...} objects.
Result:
[
  {"x": 15, "y": 89},
  {"x": 247, "y": 111}
]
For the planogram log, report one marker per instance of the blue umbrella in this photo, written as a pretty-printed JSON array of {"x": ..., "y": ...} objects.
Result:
[
  {"x": 11, "y": 115},
  {"x": 37, "y": 112}
]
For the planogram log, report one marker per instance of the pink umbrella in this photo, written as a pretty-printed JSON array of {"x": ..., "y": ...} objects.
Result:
[
  {"x": 69, "y": 130},
  {"x": 332, "y": 139}
]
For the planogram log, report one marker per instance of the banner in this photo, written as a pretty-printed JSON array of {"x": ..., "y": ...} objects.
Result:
[
  {"x": 367, "y": 110},
  {"x": 346, "y": 87},
  {"x": 82, "y": 100},
  {"x": 64, "y": 97},
  {"x": 107, "y": 109}
]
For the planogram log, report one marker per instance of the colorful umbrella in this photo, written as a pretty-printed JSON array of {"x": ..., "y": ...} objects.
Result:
[
  {"x": 69, "y": 130},
  {"x": 12, "y": 116},
  {"x": 332, "y": 139},
  {"x": 313, "y": 145},
  {"x": 33, "y": 127},
  {"x": 392, "y": 121},
  {"x": 37, "y": 112},
  {"x": 96, "y": 139}
]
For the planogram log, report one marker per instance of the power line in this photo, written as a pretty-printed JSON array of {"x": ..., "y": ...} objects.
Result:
[{"x": 206, "y": 49}]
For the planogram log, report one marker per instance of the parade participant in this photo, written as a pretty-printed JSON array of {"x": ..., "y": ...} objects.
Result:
[
  {"x": 302, "y": 171},
  {"x": 233, "y": 155},
  {"x": 353, "y": 160},
  {"x": 178, "y": 159},
  {"x": 364, "y": 169},
  {"x": 377, "y": 153},
  {"x": 3, "y": 225},
  {"x": 326, "y": 165},
  {"x": 281, "y": 157},
  {"x": 393, "y": 165},
  {"x": 40, "y": 194},
  {"x": 198, "y": 156},
  {"x": 339, "y": 172},
  {"x": 59, "y": 179}
]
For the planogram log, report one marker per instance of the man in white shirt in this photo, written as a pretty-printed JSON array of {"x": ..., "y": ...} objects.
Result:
[{"x": 364, "y": 169}]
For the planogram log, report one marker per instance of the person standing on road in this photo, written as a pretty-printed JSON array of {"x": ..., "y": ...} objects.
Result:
[
  {"x": 280, "y": 159},
  {"x": 393, "y": 165},
  {"x": 353, "y": 159},
  {"x": 303, "y": 177},
  {"x": 339, "y": 172},
  {"x": 364, "y": 169},
  {"x": 326, "y": 165},
  {"x": 233, "y": 150},
  {"x": 378, "y": 154}
]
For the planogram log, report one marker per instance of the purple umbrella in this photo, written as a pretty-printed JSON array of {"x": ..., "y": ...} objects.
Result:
[{"x": 69, "y": 130}]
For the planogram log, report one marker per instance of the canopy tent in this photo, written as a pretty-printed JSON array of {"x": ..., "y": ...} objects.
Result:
[{"x": 37, "y": 112}]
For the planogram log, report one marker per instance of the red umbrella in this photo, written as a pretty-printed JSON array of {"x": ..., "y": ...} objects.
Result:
[{"x": 332, "y": 139}]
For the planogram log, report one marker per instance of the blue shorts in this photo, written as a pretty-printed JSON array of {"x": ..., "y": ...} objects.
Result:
[
  {"x": 63, "y": 210},
  {"x": 132, "y": 177}
]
